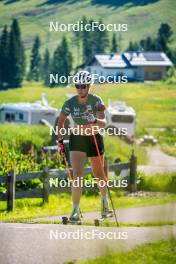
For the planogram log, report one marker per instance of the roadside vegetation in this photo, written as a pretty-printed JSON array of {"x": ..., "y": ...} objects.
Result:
[
  {"x": 61, "y": 203},
  {"x": 160, "y": 252},
  {"x": 167, "y": 140},
  {"x": 158, "y": 183}
]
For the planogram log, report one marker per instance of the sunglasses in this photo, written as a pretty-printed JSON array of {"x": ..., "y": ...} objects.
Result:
[{"x": 81, "y": 86}]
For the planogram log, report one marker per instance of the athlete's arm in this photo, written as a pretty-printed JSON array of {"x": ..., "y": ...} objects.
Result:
[
  {"x": 61, "y": 121},
  {"x": 100, "y": 117}
]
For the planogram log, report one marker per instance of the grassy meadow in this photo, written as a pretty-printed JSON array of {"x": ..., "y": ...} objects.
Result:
[
  {"x": 154, "y": 104},
  {"x": 143, "y": 18}
]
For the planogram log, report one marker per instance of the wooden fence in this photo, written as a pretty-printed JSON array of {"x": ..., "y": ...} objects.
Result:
[{"x": 47, "y": 174}]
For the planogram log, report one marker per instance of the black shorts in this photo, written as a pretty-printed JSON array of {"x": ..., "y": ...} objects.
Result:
[{"x": 86, "y": 144}]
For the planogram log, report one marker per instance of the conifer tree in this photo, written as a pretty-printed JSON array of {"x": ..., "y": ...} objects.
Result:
[
  {"x": 62, "y": 61},
  {"x": 16, "y": 57},
  {"x": 114, "y": 46},
  {"x": 4, "y": 45},
  {"x": 35, "y": 63},
  {"x": 46, "y": 67}
]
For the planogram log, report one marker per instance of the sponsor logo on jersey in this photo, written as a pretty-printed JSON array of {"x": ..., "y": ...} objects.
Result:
[
  {"x": 89, "y": 107},
  {"x": 76, "y": 109}
]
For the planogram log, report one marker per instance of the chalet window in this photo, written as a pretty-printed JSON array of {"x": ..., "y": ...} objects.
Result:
[
  {"x": 122, "y": 119},
  {"x": 157, "y": 75},
  {"x": 9, "y": 117},
  {"x": 21, "y": 116}
]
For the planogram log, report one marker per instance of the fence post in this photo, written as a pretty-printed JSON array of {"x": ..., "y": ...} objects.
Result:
[
  {"x": 133, "y": 173},
  {"x": 11, "y": 190},
  {"x": 46, "y": 185}
]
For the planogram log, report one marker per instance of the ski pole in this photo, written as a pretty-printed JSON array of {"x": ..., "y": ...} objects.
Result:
[
  {"x": 105, "y": 178},
  {"x": 62, "y": 153},
  {"x": 113, "y": 208}
]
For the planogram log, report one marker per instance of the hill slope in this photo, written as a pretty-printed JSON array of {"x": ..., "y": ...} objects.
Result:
[{"x": 142, "y": 16}]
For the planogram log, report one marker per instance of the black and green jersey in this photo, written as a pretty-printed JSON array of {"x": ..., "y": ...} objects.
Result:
[{"x": 79, "y": 112}]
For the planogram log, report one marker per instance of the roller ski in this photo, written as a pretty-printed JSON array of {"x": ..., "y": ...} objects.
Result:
[
  {"x": 105, "y": 213},
  {"x": 74, "y": 218},
  {"x": 104, "y": 216}
]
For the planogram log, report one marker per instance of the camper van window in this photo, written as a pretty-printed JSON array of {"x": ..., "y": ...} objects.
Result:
[
  {"x": 122, "y": 119},
  {"x": 21, "y": 116},
  {"x": 9, "y": 117}
]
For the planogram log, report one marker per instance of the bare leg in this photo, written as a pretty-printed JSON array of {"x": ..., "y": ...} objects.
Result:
[
  {"x": 77, "y": 160},
  {"x": 97, "y": 172}
]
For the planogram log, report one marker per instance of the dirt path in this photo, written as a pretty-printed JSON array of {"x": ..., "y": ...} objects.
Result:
[
  {"x": 159, "y": 162},
  {"x": 156, "y": 213}
]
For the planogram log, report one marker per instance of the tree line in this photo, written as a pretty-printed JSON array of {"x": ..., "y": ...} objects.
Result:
[
  {"x": 159, "y": 43},
  {"x": 12, "y": 57},
  {"x": 88, "y": 43}
]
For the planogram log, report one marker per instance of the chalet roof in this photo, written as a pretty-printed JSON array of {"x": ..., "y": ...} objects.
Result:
[
  {"x": 111, "y": 61},
  {"x": 130, "y": 59},
  {"x": 148, "y": 59}
]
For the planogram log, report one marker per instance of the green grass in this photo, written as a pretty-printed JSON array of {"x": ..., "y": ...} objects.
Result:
[
  {"x": 138, "y": 224},
  {"x": 103, "y": 224},
  {"x": 161, "y": 252},
  {"x": 21, "y": 135},
  {"x": 142, "y": 20},
  {"x": 154, "y": 103},
  {"x": 167, "y": 140},
  {"x": 61, "y": 204},
  {"x": 170, "y": 150},
  {"x": 117, "y": 148},
  {"x": 158, "y": 182}
]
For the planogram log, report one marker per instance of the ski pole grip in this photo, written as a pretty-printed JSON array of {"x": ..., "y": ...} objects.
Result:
[{"x": 61, "y": 145}]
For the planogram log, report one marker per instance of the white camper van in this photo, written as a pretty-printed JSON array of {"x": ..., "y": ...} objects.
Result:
[
  {"x": 119, "y": 115},
  {"x": 28, "y": 113}
]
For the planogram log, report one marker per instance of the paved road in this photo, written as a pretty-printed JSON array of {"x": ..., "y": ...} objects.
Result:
[
  {"x": 156, "y": 213},
  {"x": 159, "y": 162},
  {"x": 32, "y": 244}
]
